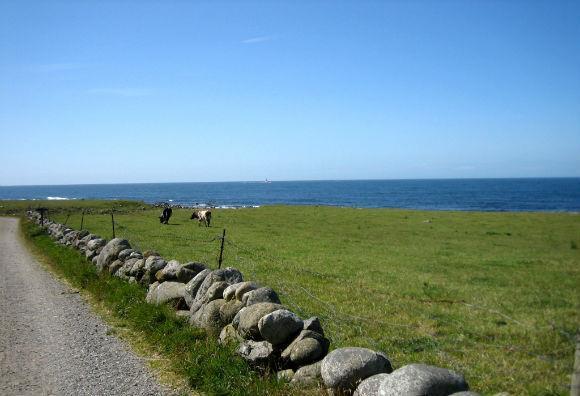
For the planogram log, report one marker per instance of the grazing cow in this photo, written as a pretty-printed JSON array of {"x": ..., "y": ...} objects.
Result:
[
  {"x": 164, "y": 218},
  {"x": 203, "y": 216}
]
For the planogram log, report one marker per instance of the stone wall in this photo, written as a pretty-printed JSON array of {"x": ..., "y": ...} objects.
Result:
[{"x": 266, "y": 334}]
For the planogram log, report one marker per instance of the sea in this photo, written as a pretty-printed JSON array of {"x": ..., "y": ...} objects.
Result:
[{"x": 497, "y": 195}]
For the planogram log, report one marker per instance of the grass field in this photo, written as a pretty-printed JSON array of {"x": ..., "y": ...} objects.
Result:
[{"x": 495, "y": 296}]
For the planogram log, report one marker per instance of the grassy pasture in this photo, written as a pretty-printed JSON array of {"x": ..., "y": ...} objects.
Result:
[{"x": 495, "y": 296}]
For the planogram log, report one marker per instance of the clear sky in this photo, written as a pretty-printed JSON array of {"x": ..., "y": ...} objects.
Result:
[{"x": 168, "y": 91}]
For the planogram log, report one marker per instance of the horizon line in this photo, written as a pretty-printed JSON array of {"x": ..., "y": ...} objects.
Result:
[{"x": 295, "y": 180}]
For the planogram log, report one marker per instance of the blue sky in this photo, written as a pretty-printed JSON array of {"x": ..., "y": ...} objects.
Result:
[{"x": 162, "y": 91}]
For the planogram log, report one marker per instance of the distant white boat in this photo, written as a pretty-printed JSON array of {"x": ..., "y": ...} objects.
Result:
[{"x": 267, "y": 181}]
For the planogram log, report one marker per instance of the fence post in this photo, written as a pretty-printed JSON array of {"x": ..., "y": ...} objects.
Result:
[
  {"x": 113, "y": 223},
  {"x": 223, "y": 238},
  {"x": 67, "y": 217},
  {"x": 82, "y": 219}
]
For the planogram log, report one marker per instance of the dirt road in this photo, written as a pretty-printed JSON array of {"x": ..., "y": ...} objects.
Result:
[{"x": 50, "y": 341}]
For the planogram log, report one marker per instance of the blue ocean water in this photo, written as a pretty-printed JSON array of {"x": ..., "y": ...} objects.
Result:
[{"x": 542, "y": 194}]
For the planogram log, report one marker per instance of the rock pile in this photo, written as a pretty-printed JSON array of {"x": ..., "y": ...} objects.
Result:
[{"x": 266, "y": 333}]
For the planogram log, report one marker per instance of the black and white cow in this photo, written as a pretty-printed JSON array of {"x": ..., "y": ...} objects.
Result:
[
  {"x": 203, "y": 216},
  {"x": 164, "y": 218}
]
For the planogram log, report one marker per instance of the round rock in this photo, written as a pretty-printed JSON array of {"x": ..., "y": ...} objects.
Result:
[
  {"x": 192, "y": 287},
  {"x": 215, "y": 291},
  {"x": 307, "y": 350},
  {"x": 257, "y": 352},
  {"x": 344, "y": 368},
  {"x": 279, "y": 326},
  {"x": 421, "y": 379},
  {"x": 370, "y": 386},
  {"x": 229, "y": 310},
  {"x": 230, "y": 291},
  {"x": 249, "y": 317},
  {"x": 110, "y": 252},
  {"x": 243, "y": 288},
  {"x": 261, "y": 295}
]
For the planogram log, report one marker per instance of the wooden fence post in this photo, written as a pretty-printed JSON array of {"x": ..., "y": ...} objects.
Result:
[
  {"x": 113, "y": 223},
  {"x": 82, "y": 219},
  {"x": 223, "y": 238}
]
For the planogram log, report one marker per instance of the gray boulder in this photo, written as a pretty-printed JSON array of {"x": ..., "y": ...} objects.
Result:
[
  {"x": 126, "y": 268},
  {"x": 124, "y": 254},
  {"x": 154, "y": 264},
  {"x": 210, "y": 319},
  {"x": 308, "y": 347},
  {"x": 229, "y": 310},
  {"x": 170, "y": 292},
  {"x": 230, "y": 292},
  {"x": 195, "y": 316},
  {"x": 261, "y": 295},
  {"x": 114, "y": 266},
  {"x": 138, "y": 269},
  {"x": 248, "y": 318},
  {"x": 82, "y": 242},
  {"x": 169, "y": 272},
  {"x": 244, "y": 288},
  {"x": 192, "y": 287},
  {"x": 343, "y": 369},
  {"x": 229, "y": 335},
  {"x": 229, "y": 275},
  {"x": 151, "y": 297},
  {"x": 307, "y": 376},
  {"x": 307, "y": 351},
  {"x": 313, "y": 324},
  {"x": 421, "y": 379},
  {"x": 184, "y": 275},
  {"x": 90, "y": 254},
  {"x": 279, "y": 326},
  {"x": 215, "y": 291},
  {"x": 236, "y": 319},
  {"x": 196, "y": 306},
  {"x": 136, "y": 255},
  {"x": 94, "y": 244},
  {"x": 370, "y": 386},
  {"x": 110, "y": 252},
  {"x": 195, "y": 267},
  {"x": 257, "y": 353}
]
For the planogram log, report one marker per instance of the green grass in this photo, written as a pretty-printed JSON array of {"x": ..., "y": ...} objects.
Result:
[
  {"x": 492, "y": 295},
  {"x": 207, "y": 366}
]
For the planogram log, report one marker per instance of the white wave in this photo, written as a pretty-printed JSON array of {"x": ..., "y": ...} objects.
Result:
[{"x": 58, "y": 198}]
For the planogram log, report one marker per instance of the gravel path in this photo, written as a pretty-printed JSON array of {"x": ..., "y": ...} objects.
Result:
[{"x": 50, "y": 341}]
